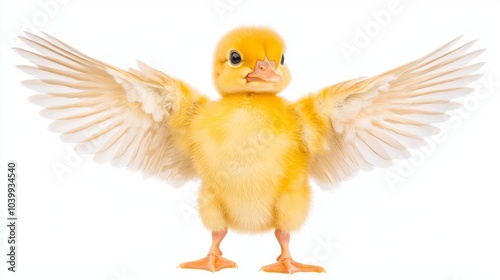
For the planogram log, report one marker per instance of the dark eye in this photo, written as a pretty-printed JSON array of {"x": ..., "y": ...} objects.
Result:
[
  {"x": 282, "y": 59},
  {"x": 234, "y": 58}
]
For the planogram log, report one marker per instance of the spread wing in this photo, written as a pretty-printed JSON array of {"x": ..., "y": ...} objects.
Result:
[
  {"x": 133, "y": 119},
  {"x": 365, "y": 123}
]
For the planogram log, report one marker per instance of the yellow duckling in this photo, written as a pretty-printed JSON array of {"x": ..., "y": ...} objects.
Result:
[{"x": 253, "y": 150}]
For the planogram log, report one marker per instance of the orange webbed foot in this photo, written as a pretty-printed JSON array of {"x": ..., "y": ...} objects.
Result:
[
  {"x": 287, "y": 265},
  {"x": 212, "y": 263}
]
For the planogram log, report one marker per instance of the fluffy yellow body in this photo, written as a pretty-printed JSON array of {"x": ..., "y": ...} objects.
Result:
[
  {"x": 253, "y": 164},
  {"x": 252, "y": 150}
]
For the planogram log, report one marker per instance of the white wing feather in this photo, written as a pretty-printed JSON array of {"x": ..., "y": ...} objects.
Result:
[
  {"x": 120, "y": 116},
  {"x": 372, "y": 121}
]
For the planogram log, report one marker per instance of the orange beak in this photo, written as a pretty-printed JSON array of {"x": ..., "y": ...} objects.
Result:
[{"x": 264, "y": 71}]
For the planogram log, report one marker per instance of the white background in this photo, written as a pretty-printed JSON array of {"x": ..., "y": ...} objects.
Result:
[{"x": 440, "y": 220}]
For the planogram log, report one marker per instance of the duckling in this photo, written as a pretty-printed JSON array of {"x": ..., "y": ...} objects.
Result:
[{"x": 253, "y": 150}]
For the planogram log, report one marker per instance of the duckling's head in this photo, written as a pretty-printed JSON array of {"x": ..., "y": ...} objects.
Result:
[{"x": 250, "y": 60}]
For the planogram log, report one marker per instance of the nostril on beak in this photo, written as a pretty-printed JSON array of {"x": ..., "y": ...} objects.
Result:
[{"x": 264, "y": 71}]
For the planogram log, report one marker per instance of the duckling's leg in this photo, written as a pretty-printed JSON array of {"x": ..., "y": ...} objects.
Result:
[
  {"x": 213, "y": 261},
  {"x": 285, "y": 263}
]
